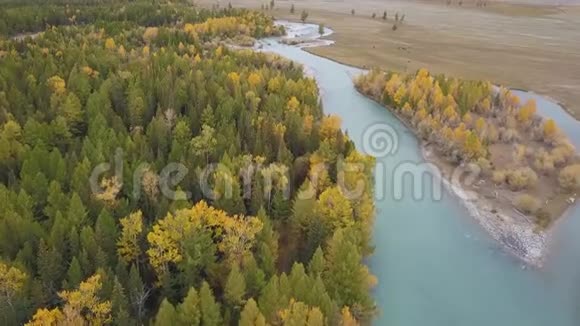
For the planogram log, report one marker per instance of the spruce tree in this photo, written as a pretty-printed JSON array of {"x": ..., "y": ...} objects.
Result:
[
  {"x": 344, "y": 275},
  {"x": 270, "y": 300},
  {"x": 210, "y": 309},
  {"x": 166, "y": 314},
  {"x": 120, "y": 305},
  {"x": 235, "y": 288},
  {"x": 317, "y": 263},
  {"x": 251, "y": 315},
  {"x": 106, "y": 234},
  {"x": 74, "y": 275},
  {"x": 188, "y": 312}
]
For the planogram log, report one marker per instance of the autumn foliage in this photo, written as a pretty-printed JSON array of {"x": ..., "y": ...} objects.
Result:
[
  {"x": 474, "y": 122},
  {"x": 159, "y": 84}
]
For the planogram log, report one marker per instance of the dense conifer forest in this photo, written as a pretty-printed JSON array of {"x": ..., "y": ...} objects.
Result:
[{"x": 111, "y": 116}]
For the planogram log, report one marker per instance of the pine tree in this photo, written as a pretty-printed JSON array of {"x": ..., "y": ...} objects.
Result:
[
  {"x": 79, "y": 184},
  {"x": 72, "y": 112},
  {"x": 56, "y": 200},
  {"x": 270, "y": 300},
  {"x": 316, "y": 236},
  {"x": 251, "y": 315},
  {"x": 315, "y": 317},
  {"x": 285, "y": 288},
  {"x": 138, "y": 293},
  {"x": 166, "y": 314},
  {"x": 136, "y": 106},
  {"x": 300, "y": 283},
  {"x": 280, "y": 206},
  {"x": 79, "y": 84},
  {"x": 210, "y": 309},
  {"x": 257, "y": 201},
  {"x": 90, "y": 247},
  {"x": 188, "y": 312},
  {"x": 319, "y": 297},
  {"x": 267, "y": 245},
  {"x": 74, "y": 275},
  {"x": 345, "y": 276},
  {"x": 317, "y": 263},
  {"x": 255, "y": 278},
  {"x": 235, "y": 288},
  {"x": 77, "y": 213},
  {"x": 106, "y": 233},
  {"x": 60, "y": 231},
  {"x": 49, "y": 263},
  {"x": 120, "y": 305}
]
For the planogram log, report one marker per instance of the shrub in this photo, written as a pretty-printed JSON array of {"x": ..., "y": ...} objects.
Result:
[
  {"x": 509, "y": 135},
  {"x": 304, "y": 16},
  {"x": 511, "y": 122},
  {"x": 544, "y": 162},
  {"x": 492, "y": 135},
  {"x": 562, "y": 153},
  {"x": 519, "y": 153},
  {"x": 550, "y": 130},
  {"x": 526, "y": 203},
  {"x": 522, "y": 178},
  {"x": 570, "y": 177},
  {"x": 543, "y": 218},
  {"x": 499, "y": 177}
]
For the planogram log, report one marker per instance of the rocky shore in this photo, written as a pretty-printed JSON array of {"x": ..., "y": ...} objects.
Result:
[
  {"x": 519, "y": 236},
  {"x": 514, "y": 231}
]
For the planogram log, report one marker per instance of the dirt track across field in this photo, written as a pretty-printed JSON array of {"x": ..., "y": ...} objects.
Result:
[{"x": 517, "y": 45}]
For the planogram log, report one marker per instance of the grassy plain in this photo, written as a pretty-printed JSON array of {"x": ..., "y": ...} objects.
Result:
[{"x": 517, "y": 45}]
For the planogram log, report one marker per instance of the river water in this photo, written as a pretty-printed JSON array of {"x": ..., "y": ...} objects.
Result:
[{"x": 434, "y": 263}]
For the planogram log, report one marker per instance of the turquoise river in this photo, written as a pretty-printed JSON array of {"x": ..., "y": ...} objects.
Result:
[{"x": 435, "y": 264}]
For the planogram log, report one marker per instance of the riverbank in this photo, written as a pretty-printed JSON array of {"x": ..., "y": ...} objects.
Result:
[
  {"x": 524, "y": 236},
  {"x": 517, "y": 234}
]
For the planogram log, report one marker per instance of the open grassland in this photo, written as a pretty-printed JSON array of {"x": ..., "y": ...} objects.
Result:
[{"x": 521, "y": 46}]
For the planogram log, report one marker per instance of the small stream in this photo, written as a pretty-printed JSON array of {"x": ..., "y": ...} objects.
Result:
[{"x": 434, "y": 263}]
